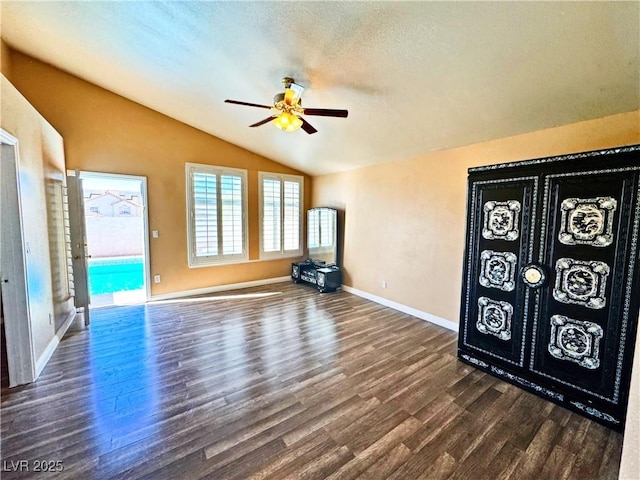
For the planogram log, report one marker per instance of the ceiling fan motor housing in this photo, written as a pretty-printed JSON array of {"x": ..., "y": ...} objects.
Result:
[
  {"x": 279, "y": 97},
  {"x": 287, "y": 81}
]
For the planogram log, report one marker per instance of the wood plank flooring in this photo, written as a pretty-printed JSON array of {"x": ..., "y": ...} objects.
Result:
[{"x": 281, "y": 382}]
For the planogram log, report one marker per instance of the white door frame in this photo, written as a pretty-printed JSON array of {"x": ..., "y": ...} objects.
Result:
[
  {"x": 13, "y": 272},
  {"x": 78, "y": 238},
  {"x": 145, "y": 218}
]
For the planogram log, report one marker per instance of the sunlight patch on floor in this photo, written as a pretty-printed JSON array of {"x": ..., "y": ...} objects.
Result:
[
  {"x": 125, "y": 297},
  {"x": 240, "y": 296}
]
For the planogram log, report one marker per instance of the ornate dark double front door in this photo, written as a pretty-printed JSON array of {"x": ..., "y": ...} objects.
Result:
[{"x": 550, "y": 294}]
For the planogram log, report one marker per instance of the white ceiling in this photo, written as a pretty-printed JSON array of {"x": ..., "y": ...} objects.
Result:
[{"x": 415, "y": 76}]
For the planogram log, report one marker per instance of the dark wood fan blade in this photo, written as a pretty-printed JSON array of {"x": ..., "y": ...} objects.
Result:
[
  {"x": 326, "y": 112},
  {"x": 262, "y": 122},
  {"x": 236, "y": 102},
  {"x": 307, "y": 127}
]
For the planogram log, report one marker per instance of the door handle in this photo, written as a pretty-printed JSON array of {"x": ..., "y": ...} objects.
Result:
[{"x": 534, "y": 275}]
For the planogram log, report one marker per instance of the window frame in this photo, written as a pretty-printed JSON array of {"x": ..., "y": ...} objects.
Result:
[
  {"x": 195, "y": 261},
  {"x": 282, "y": 253}
]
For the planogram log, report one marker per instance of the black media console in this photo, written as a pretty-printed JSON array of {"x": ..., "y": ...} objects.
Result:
[{"x": 327, "y": 278}]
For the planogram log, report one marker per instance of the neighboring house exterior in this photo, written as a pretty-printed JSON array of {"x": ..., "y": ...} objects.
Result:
[{"x": 112, "y": 204}]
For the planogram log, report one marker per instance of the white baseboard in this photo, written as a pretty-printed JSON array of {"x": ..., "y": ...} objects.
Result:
[
  {"x": 403, "y": 308},
  {"x": 42, "y": 361},
  {"x": 219, "y": 288}
]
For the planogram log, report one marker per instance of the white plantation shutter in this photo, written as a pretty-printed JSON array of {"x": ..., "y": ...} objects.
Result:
[
  {"x": 205, "y": 196},
  {"x": 216, "y": 204},
  {"x": 292, "y": 211},
  {"x": 271, "y": 215},
  {"x": 232, "y": 234},
  {"x": 281, "y": 215}
]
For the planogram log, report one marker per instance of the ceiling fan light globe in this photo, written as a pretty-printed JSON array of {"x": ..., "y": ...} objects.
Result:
[{"x": 288, "y": 122}]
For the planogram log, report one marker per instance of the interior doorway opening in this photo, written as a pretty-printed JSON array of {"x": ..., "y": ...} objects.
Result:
[{"x": 117, "y": 238}]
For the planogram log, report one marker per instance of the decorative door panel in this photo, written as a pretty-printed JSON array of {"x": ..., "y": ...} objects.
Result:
[
  {"x": 494, "y": 323},
  {"x": 587, "y": 243}
]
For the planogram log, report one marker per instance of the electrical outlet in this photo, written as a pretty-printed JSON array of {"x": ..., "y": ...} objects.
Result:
[
  {"x": 156, "y": 278},
  {"x": 384, "y": 284},
  {"x": 154, "y": 233}
]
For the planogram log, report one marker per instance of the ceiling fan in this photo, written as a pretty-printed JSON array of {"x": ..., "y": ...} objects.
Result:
[{"x": 287, "y": 108}]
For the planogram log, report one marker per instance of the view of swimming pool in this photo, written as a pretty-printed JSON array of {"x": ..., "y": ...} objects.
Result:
[{"x": 107, "y": 275}]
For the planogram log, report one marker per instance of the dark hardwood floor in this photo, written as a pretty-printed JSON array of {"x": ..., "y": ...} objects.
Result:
[{"x": 281, "y": 382}]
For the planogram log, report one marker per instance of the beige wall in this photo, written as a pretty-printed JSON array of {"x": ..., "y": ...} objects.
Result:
[
  {"x": 405, "y": 221},
  {"x": 104, "y": 132},
  {"x": 41, "y": 172}
]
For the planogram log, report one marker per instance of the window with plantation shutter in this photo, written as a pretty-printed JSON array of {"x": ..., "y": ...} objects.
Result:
[
  {"x": 216, "y": 214},
  {"x": 281, "y": 203}
]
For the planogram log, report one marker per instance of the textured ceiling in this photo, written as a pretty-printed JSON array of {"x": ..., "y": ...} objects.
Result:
[{"x": 415, "y": 76}]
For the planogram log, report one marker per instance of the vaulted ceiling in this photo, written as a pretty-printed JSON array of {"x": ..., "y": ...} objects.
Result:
[{"x": 415, "y": 76}]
